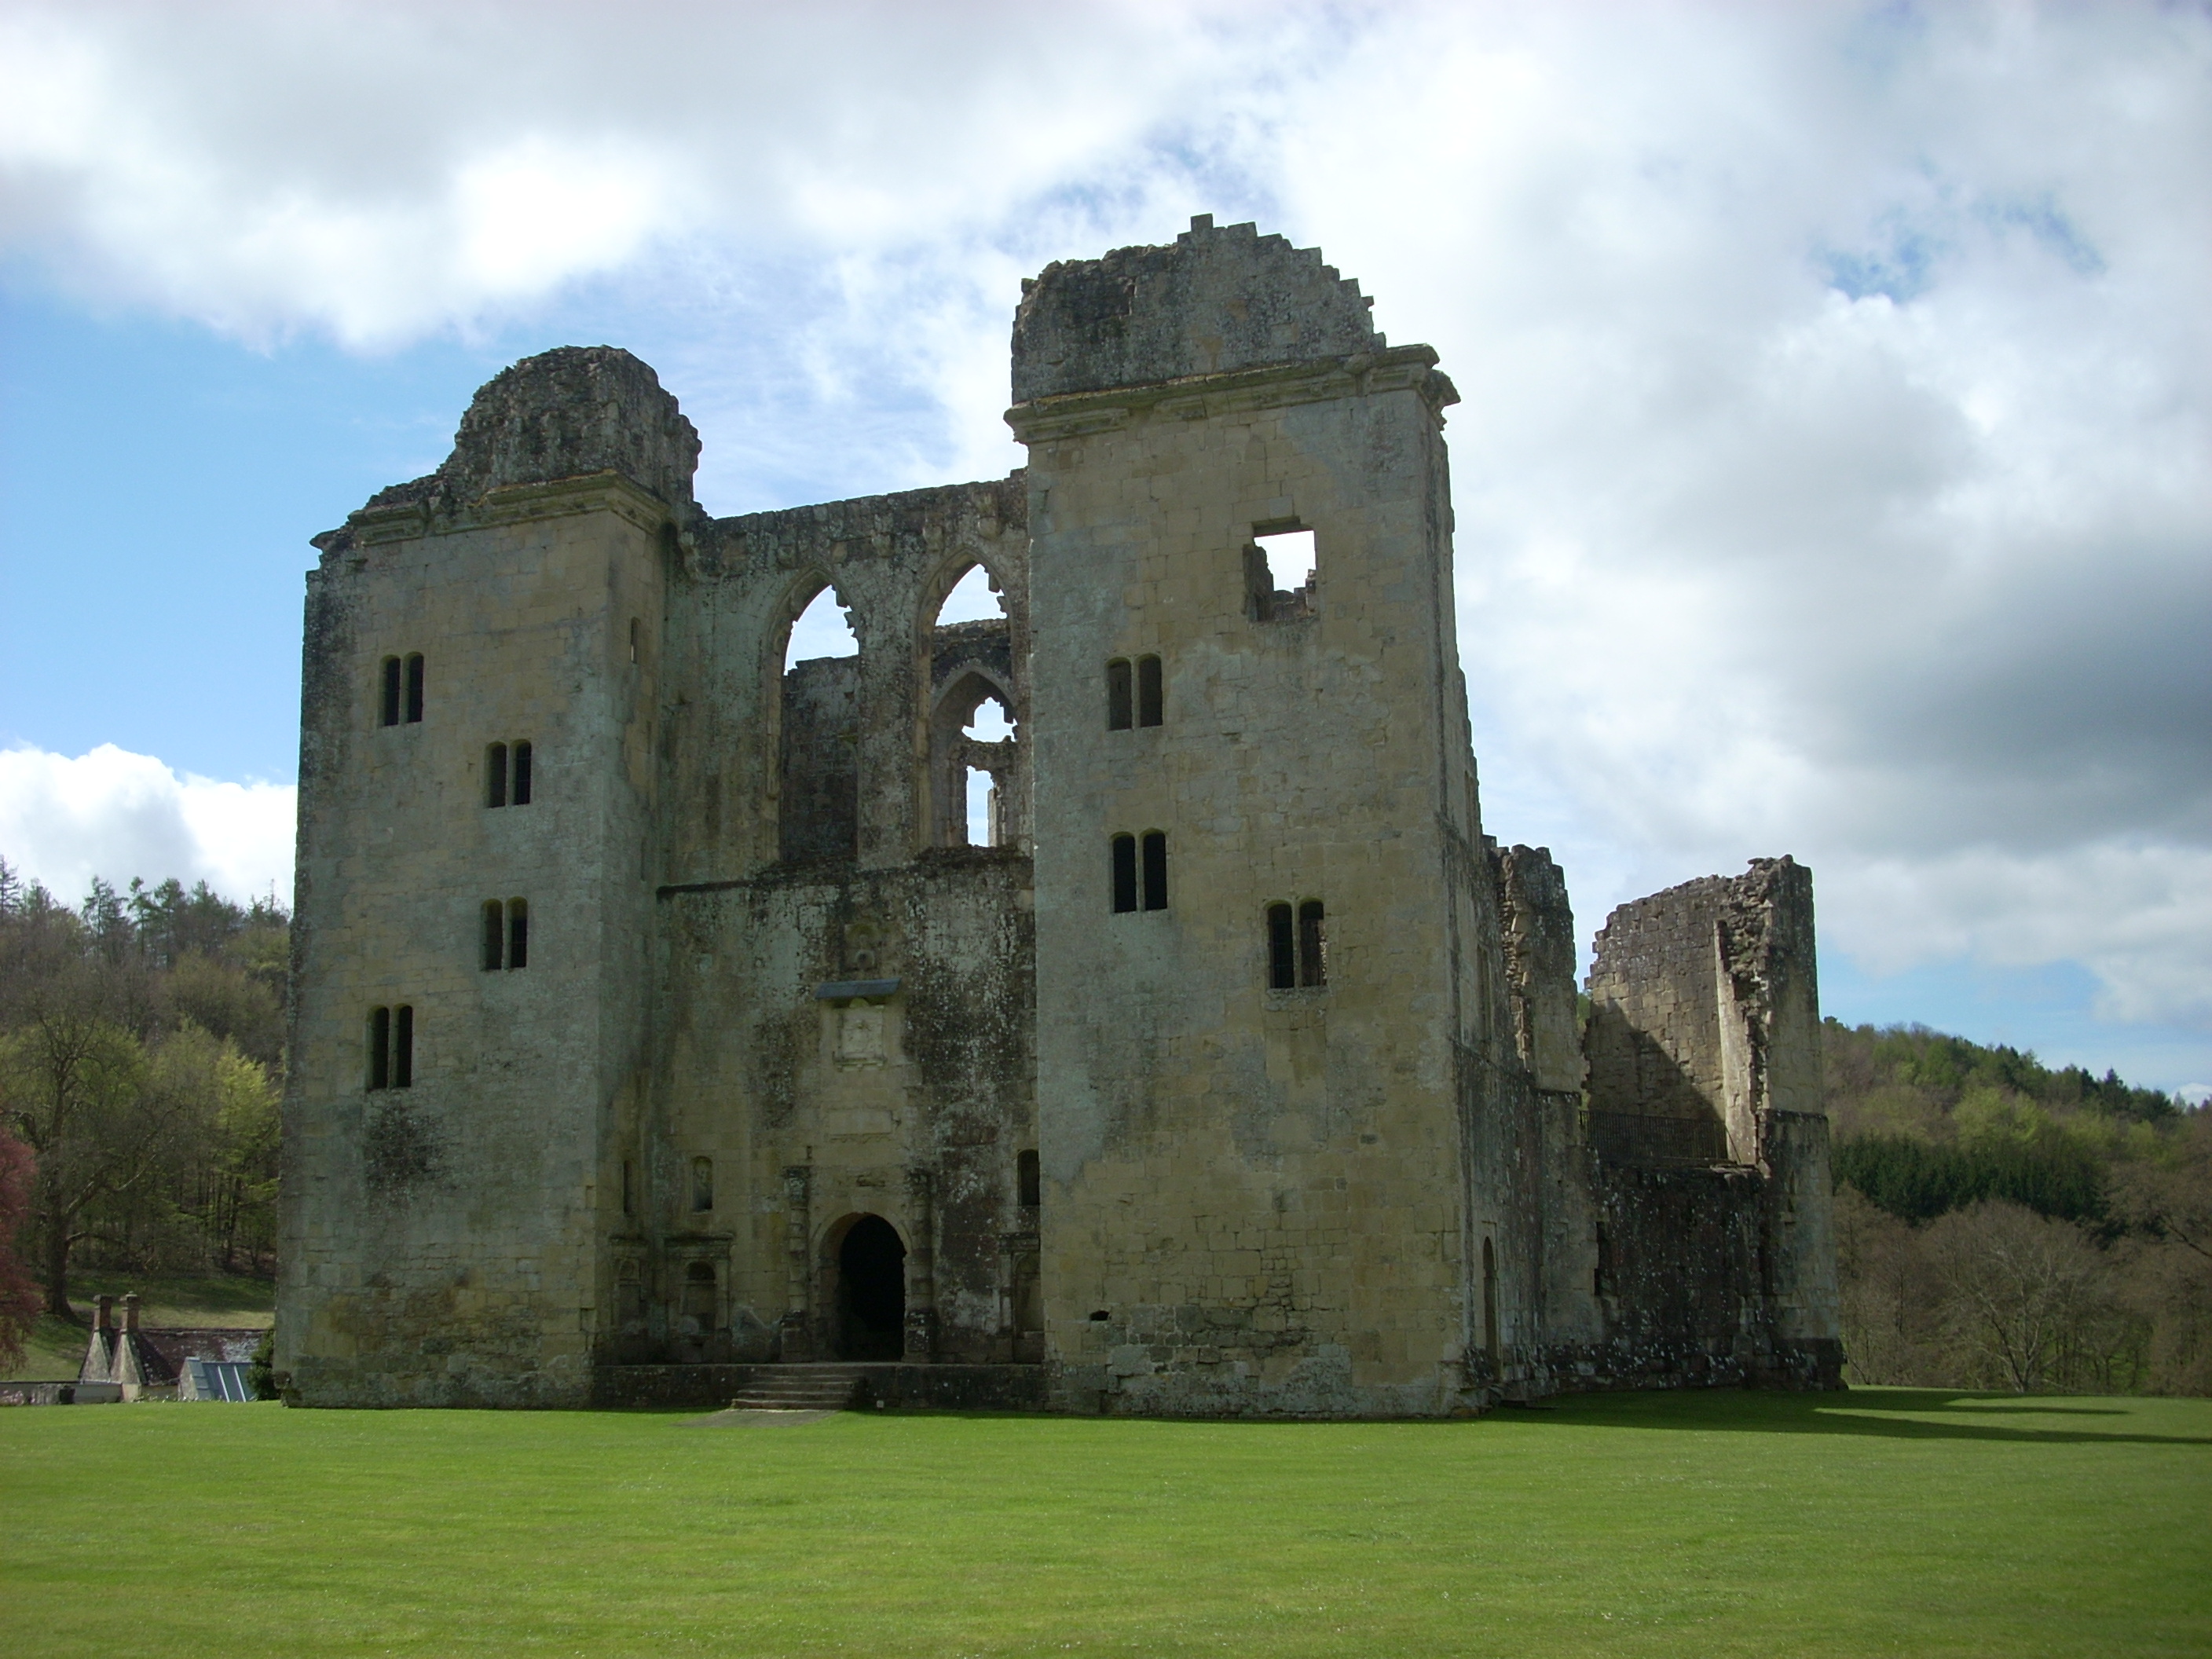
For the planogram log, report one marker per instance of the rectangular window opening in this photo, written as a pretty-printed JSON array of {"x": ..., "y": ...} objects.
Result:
[
  {"x": 415, "y": 689},
  {"x": 518, "y": 933},
  {"x": 1313, "y": 945},
  {"x": 1290, "y": 556},
  {"x": 629, "y": 1202},
  {"x": 494, "y": 936},
  {"x": 1282, "y": 949},
  {"x": 388, "y": 714},
  {"x": 520, "y": 793},
  {"x": 702, "y": 1184},
  {"x": 1156, "y": 870},
  {"x": 496, "y": 775},
  {"x": 1028, "y": 1183},
  {"x": 403, "y": 1047},
  {"x": 1118, "y": 704},
  {"x": 380, "y": 1048},
  {"x": 1125, "y": 874},
  {"x": 1148, "y": 691}
]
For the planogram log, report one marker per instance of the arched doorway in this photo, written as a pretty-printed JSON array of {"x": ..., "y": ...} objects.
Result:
[{"x": 871, "y": 1291}]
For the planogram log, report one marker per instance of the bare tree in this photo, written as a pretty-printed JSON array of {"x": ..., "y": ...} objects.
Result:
[{"x": 2019, "y": 1288}]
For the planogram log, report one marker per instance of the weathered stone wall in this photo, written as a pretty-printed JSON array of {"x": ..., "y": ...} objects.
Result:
[
  {"x": 1703, "y": 1044},
  {"x": 1539, "y": 950},
  {"x": 819, "y": 798},
  {"x": 1704, "y": 1010},
  {"x": 1259, "y": 1201},
  {"x": 930, "y": 1078},
  {"x": 1540, "y": 968},
  {"x": 913, "y": 1102},
  {"x": 443, "y": 1241}
]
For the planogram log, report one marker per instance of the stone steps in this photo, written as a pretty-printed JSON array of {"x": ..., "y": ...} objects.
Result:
[{"x": 800, "y": 1389}]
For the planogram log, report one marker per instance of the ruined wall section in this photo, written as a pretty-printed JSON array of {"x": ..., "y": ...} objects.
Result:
[
  {"x": 818, "y": 782},
  {"x": 1212, "y": 301},
  {"x": 1716, "y": 1257},
  {"x": 892, "y": 560},
  {"x": 567, "y": 413},
  {"x": 1705, "y": 1013},
  {"x": 841, "y": 1033},
  {"x": 442, "y": 1238},
  {"x": 1539, "y": 950},
  {"x": 1539, "y": 941}
]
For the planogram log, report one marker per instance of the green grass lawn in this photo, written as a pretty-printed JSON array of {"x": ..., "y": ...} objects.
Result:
[
  {"x": 1883, "y": 1521},
  {"x": 56, "y": 1347}
]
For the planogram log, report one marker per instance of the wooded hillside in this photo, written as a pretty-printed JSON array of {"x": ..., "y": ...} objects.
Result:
[
  {"x": 2000, "y": 1224},
  {"x": 142, "y": 1040}
]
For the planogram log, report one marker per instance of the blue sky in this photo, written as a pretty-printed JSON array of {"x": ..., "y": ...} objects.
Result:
[{"x": 1832, "y": 474}]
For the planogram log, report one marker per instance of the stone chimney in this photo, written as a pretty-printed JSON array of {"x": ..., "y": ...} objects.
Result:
[
  {"x": 103, "y": 1313},
  {"x": 130, "y": 1311}
]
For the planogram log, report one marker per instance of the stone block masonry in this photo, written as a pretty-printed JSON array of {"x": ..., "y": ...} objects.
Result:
[{"x": 1236, "y": 1073}]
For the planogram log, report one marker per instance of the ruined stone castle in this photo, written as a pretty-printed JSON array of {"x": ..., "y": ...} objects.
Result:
[{"x": 661, "y": 1022}]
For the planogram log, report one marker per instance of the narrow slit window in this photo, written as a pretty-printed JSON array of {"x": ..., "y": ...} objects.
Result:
[
  {"x": 1313, "y": 945},
  {"x": 518, "y": 933},
  {"x": 415, "y": 689},
  {"x": 519, "y": 794},
  {"x": 628, "y": 1198},
  {"x": 1149, "y": 705},
  {"x": 1118, "y": 703},
  {"x": 1125, "y": 874},
  {"x": 1028, "y": 1183},
  {"x": 1156, "y": 870},
  {"x": 403, "y": 1047},
  {"x": 494, "y": 936},
  {"x": 496, "y": 775},
  {"x": 635, "y": 632},
  {"x": 1282, "y": 949},
  {"x": 388, "y": 711},
  {"x": 380, "y": 1048},
  {"x": 702, "y": 1183}
]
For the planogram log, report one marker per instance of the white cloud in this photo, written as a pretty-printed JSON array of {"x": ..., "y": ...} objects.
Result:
[
  {"x": 2137, "y": 916},
  {"x": 113, "y": 814},
  {"x": 382, "y": 171},
  {"x": 1835, "y": 470}
]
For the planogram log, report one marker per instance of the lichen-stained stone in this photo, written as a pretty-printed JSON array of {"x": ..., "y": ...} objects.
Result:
[{"x": 1239, "y": 1074}]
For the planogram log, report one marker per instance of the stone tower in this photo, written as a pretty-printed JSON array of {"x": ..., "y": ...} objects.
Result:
[
  {"x": 1256, "y": 1068},
  {"x": 447, "y": 1191}
]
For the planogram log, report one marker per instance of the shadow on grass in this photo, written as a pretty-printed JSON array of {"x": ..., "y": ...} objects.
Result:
[{"x": 1886, "y": 1414}]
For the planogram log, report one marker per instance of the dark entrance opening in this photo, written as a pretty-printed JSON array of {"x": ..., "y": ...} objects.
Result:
[{"x": 871, "y": 1291}]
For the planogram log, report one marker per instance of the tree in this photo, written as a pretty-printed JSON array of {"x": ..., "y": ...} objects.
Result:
[
  {"x": 73, "y": 1075},
  {"x": 2165, "y": 1198},
  {"x": 19, "y": 1291},
  {"x": 2020, "y": 1290}
]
